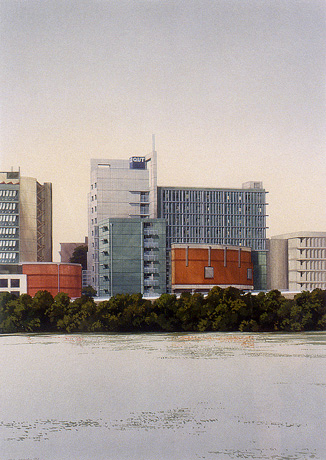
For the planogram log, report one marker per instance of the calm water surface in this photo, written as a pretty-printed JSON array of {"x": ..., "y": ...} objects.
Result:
[{"x": 163, "y": 397}]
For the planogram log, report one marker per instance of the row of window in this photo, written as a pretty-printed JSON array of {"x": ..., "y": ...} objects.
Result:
[
  {"x": 8, "y": 256},
  {"x": 313, "y": 276},
  {"x": 313, "y": 242},
  {"x": 311, "y": 286},
  {"x": 8, "y": 230},
  {"x": 8, "y": 243},
  {"x": 8, "y": 218},
  {"x": 14, "y": 283},
  {"x": 213, "y": 196},
  {"x": 8, "y": 206},
  {"x": 312, "y": 254},
  {"x": 9, "y": 193}
]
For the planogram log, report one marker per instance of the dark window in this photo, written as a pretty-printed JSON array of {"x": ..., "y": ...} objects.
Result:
[
  {"x": 3, "y": 283},
  {"x": 14, "y": 283},
  {"x": 249, "y": 274},
  {"x": 13, "y": 175}
]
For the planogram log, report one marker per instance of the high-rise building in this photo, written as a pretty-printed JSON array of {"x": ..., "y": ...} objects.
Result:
[
  {"x": 297, "y": 261},
  {"x": 234, "y": 217},
  {"x": 119, "y": 189},
  {"x": 25, "y": 220}
]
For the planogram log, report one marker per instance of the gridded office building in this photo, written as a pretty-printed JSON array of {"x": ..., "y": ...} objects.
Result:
[
  {"x": 25, "y": 220},
  {"x": 132, "y": 256},
  {"x": 235, "y": 217}
]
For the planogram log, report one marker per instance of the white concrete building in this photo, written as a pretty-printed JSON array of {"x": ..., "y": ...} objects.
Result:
[
  {"x": 297, "y": 261},
  {"x": 119, "y": 189}
]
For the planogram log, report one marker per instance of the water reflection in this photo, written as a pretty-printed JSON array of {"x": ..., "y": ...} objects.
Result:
[{"x": 169, "y": 396}]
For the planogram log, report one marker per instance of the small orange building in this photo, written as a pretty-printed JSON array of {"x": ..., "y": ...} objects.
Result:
[
  {"x": 200, "y": 267},
  {"x": 53, "y": 277}
]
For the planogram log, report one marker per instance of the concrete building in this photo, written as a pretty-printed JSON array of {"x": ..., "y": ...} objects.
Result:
[
  {"x": 132, "y": 255},
  {"x": 43, "y": 276},
  {"x": 25, "y": 220},
  {"x": 128, "y": 190},
  {"x": 297, "y": 261},
  {"x": 119, "y": 189},
  {"x": 200, "y": 267},
  {"x": 235, "y": 217}
]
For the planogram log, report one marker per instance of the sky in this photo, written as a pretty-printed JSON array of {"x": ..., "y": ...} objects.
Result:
[{"x": 234, "y": 90}]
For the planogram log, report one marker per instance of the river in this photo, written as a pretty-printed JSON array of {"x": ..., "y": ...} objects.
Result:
[{"x": 213, "y": 396}]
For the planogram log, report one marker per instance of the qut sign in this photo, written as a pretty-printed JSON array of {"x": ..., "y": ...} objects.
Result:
[{"x": 137, "y": 163}]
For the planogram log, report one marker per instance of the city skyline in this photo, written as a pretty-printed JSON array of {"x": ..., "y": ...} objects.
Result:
[{"x": 234, "y": 92}]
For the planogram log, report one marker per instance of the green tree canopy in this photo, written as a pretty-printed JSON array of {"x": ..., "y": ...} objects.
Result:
[{"x": 79, "y": 256}]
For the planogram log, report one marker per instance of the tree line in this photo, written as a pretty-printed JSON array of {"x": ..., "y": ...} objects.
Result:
[{"x": 221, "y": 310}]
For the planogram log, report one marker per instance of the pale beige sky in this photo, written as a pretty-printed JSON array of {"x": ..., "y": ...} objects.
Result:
[{"x": 233, "y": 90}]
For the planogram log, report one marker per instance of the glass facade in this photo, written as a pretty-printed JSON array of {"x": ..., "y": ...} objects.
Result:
[
  {"x": 132, "y": 256},
  {"x": 216, "y": 216}
]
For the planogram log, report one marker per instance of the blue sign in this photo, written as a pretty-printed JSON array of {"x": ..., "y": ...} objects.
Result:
[{"x": 137, "y": 163}]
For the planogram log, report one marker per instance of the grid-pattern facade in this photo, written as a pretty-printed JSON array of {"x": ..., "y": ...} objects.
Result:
[
  {"x": 132, "y": 256},
  {"x": 25, "y": 219},
  {"x": 297, "y": 261},
  {"x": 9, "y": 217},
  {"x": 216, "y": 216},
  {"x": 307, "y": 262}
]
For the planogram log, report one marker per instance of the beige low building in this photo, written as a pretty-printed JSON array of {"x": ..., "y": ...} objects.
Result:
[{"x": 297, "y": 261}]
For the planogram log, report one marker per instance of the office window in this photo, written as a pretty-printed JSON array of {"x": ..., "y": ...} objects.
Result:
[
  {"x": 14, "y": 283},
  {"x": 3, "y": 283},
  {"x": 249, "y": 274}
]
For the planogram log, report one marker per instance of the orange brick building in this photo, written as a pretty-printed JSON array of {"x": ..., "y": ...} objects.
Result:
[
  {"x": 200, "y": 267},
  {"x": 53, "y": 277}
]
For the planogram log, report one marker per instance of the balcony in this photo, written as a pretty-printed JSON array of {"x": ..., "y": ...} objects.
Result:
[
  {"x": 150, "y": 257},
  {"x": 150, "y": 270},
  {"x": 150, "y": 244},
  {"x": 151, "y": 282}
]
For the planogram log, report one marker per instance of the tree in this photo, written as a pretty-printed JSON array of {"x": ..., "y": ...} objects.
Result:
[
  {"x": 89, "y": 291},
  {"x": 79, "y": 256}
]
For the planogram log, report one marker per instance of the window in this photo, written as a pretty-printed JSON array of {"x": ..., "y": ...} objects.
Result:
[
  {"x": 3, "y": 283},
  {"x": 14, "y": 283},
  {"x": 249, "y": 273},
  {"x": 209, "y": 272}
]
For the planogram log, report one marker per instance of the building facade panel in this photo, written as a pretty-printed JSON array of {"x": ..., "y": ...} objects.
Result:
[
  {"x": 132, "y": 256},
  {"x": 54, "y": 278},
  {"x": 304, "y": 267},
  {"x": 200, "y": 267}
]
